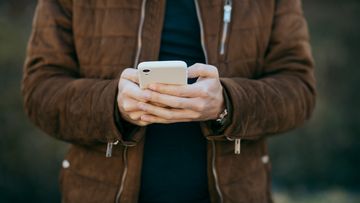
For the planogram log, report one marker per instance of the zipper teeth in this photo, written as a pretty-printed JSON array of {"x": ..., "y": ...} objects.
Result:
[
  {"x": 139, "y": 40},
  {"x": 215, "y": 172},
  {"x": 207, "y": 61},
  {"x": 223, "y": 38},
  {"x": 121, "y": 188},
  {"x": 225, "y": 29},
  {"x": 201, "y": 30}
]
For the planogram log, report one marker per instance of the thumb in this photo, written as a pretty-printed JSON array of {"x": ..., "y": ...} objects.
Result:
[{"x": 202, "y": 71}]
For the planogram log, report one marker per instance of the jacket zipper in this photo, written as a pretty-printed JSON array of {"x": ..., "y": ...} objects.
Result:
[
  {"x": 121, "y": 188},
  {"x": 201, "y": 30},
  {"x": 226, "y": 23},
  {"x": 213, "y": 161},
  {"x": 226, "y": 19},
  {"x": 139, "y": 35},
  {"x": 136, "y": 61}
]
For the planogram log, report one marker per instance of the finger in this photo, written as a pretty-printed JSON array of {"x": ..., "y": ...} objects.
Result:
[
  {"x": 139, "y": 122},
  {"x": 202, "y": 70},
  {"x": 191, "y": 91},
  {"x": 172, "y": 101},
  {"x": 155, "y": 119},
  {"x": 158, "y": 104},
  {"x": 136, "y": 115},
  {"x": 129, "y": 105},
  {"x": 133, "y": 91},
  {"x": 130, "y": 74},
  {"x": 142, "y": 123},
  {"x": 168, "y": 114}
]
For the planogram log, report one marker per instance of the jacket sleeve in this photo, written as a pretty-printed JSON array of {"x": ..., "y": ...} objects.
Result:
[
  {"x": 56, "y": 98},
  {"x": 284, "y": 96}
]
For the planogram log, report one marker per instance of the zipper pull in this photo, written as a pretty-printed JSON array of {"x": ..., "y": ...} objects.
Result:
[
  {"x": 109, "y": 148},
  {"x": 237, "y": 145},
  {"x": 227, "y": 12}
]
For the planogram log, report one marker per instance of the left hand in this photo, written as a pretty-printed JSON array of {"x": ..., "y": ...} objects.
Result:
[{"x": 199, "y": 101}]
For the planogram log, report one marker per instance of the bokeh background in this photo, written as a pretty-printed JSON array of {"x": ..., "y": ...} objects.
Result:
[{"x": 316, "y": 163}]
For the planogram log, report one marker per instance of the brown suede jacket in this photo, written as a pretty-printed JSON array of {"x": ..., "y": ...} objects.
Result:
[{"x": 78, "y": 48}]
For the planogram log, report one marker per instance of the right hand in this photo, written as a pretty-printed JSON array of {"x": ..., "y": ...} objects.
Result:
[{"x": 129, "y": 95}]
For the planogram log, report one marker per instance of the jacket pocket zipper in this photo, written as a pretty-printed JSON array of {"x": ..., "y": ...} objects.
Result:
[
  {"x": 109, "y": 148},
  {"x": 237, "y": 149},
  {"x": 237, "y": 144},
  {"x": 226, "y": 23}
]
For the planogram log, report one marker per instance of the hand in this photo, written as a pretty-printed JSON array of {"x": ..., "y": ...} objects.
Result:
[
  {"x": 200, "y": 101},
  {"x": 129, "y": 95}
]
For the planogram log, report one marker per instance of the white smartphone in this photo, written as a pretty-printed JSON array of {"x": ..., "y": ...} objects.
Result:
[{"x": 166, "y": 72}]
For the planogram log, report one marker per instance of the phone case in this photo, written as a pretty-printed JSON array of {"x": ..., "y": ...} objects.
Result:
[{"x": 166, "y": 72}]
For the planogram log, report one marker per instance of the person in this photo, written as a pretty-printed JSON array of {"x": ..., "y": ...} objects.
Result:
[{"x": 251, "y": 75}]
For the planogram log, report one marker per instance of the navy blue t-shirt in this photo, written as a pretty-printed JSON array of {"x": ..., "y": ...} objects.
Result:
[{"x": 174, "y": 165}]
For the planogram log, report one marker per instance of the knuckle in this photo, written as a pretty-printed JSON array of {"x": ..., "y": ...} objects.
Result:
[
  {"x": 147, "y": 95},
  {"x": 125, "y": 72},
  {"x": 201, "y": 106},
  {"x": 153, "y": 96},
  {"x": 215, "y": 71},
  {"x": 133, "y": 116},
  {"x": 126, "y": 106},
  {"x": 201, "y": 68},
  {"x": 158, "y": 88},
  {"x": 128, "y": 73}
]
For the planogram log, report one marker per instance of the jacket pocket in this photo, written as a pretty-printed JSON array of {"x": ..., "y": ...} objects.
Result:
[
  {"x": 87, "y": 176},
  {"x": 243, "y": 177}
]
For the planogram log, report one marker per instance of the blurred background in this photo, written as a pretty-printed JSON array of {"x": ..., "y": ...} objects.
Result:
[{"x": 316, "y": 163}]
